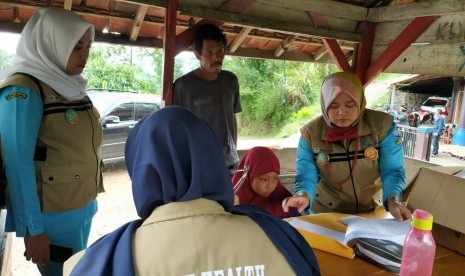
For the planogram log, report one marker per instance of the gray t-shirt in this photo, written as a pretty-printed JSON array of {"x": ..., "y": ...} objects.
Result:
[{"x": 216, "y": 102}]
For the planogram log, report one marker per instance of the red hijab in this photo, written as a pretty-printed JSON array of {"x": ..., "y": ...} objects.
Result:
[{"x": 262, "y": 160}]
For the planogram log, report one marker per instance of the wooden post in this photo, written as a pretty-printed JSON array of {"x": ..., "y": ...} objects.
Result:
[{"x": 169, "y": 43}]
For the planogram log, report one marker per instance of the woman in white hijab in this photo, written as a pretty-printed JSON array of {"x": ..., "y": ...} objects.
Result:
[{"x": 50, "y": 139}]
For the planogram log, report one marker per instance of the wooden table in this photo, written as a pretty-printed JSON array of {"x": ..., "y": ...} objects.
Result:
[{"x": 446, "y": 262}]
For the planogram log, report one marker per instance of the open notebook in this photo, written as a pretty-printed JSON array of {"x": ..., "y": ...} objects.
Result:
[{"x": 337, "y": 233}]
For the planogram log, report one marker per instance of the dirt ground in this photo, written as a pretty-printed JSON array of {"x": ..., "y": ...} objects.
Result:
[{"x": 116, "y": 206}]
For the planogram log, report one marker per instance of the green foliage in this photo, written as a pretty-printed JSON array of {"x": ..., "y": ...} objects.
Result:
[
  {"x": 378, "y": 104},
  {"x": 273, "y": 91},
  {"x": 385, "y": 76},
  {"x": 126, "y": 68},
  {"x": 6, "y": 60},
  {"x": 277, "y": 96},
  {"x": 298, "y": 119}
]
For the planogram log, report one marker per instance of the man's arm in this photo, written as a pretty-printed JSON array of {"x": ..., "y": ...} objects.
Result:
[{"x": 235, "y": 129}]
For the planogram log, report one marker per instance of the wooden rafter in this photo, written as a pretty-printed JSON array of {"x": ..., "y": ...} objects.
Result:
[
  {"x": 328, "y": 8},
  {"x": 337, "y": 54},
  {"x": 402, "y": 42},
  {"x": 416, "y": 9},
  {"x": 138, "y": 20},
  {"x": 239, "y": 39},
  {"x": 320, "y": 53},
  {"x": 364, "y": 49},
  {"x": 331, "y": 45},
  {"x": 284, "y": 45},
  {"x": 68, "y": 4},
  {"x": 318, "y": 20},
  {"x": 184, "y": 40},
  {"x": 258, "y": 22}
]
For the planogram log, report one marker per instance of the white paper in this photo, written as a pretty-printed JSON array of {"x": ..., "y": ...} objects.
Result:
[
  {"x": 310, "y": 227},
  {"x": 386, "y": 229}
]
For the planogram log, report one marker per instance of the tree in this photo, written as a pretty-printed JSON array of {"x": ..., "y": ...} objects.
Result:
[
  {"x": 272, "y": 92},
  {"x": 111, "y": 67},
  {"x": 126, "y": 68}
]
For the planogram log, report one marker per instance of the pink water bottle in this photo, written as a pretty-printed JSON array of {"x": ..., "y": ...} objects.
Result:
[{"x": 419, "y": 247}]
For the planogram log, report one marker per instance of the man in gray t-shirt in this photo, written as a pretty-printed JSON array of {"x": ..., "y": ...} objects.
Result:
[{"x": 210, "y": 92}]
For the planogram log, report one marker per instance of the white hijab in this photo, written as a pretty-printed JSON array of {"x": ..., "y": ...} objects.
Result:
[{"x": 45, "y": 46}]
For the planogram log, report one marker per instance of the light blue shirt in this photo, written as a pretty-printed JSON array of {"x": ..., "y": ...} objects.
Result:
[
  {"x": 391, "y": 168},
  {"x": 20, "y": 119}
]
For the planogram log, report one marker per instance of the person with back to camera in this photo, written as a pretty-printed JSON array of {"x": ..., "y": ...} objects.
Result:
[
  {"x": 344, "y": 153},
  {"x": 210, "y": 92},
  {"x": 183, "y": 195},
  {"x": 50, "y": 137},
  {"x": 437, "y": 131},
  {"x": 401, "y": 116},
  {"x": 261, "y": 186}
]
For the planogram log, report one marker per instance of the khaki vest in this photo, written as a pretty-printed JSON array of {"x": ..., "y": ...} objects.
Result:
[
  {"x": 342, "y": 184},
  {"x": 67, "y": 158}
]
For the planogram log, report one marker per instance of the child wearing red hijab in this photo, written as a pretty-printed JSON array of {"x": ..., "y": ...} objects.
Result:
[{"x": 262, "y": 187}]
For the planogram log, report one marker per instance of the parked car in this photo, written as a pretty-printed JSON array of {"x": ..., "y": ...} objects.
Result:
[
  {"x": 119, "y": 112},
  {"x": 425, "y": 114}
]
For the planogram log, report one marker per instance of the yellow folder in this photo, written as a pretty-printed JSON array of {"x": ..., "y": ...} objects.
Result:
[{"x": 322, "y": 242}]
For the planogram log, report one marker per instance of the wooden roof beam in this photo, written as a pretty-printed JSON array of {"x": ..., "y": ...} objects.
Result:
[
  {"x": 416, "y": 9},
  {"x": 331, "y": 45},
  {"x": 138, "y": 20},
  {"x": 267, "y": 24},
  {"x": 263, "y": 23},
  {"x": 239, "y": 39},
  {"x": 363, "y": 50},
  {"x": 284, "y": 45},
  {"x": 415, "y": 29},
  {"x": 320, "y": 53},
  {"x": 68, "y": 4},
  {"x": 337, "y": 54},
  {"x": 237, "y": 6},
  {"x": 185, "y": 39},
  {"x": 329, "y": 8},
  {"x": 269, "y": 54},
  {"x": 377, "y": 14}
]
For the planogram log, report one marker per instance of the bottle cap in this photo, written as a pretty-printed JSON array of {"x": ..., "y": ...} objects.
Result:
[{"x": 422, "y": 220}]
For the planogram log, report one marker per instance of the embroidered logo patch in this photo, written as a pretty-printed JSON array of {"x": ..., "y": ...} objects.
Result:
[
  {"x": 18, "y": 95},
  {"x": 399, "y": 141},
  {"x": 371, "y": 153},
  {"x": 396, "y": 133},
  {"x": 52, "y": 98},
  {"x": 322, "y": 158},
  {"x": 367, "y": 142},
  {"x": 316, "y": 150},
  {"x": 71, "y": 116}
]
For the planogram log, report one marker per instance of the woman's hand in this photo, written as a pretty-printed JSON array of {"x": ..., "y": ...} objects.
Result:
[
  {"x": 399, "y": 211},
  {"x": 297, "y": 201},
  {"x": 37, "y": 248}
]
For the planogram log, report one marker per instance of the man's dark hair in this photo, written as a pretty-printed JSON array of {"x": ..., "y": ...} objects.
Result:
[{"x": 208, "y": 32}]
